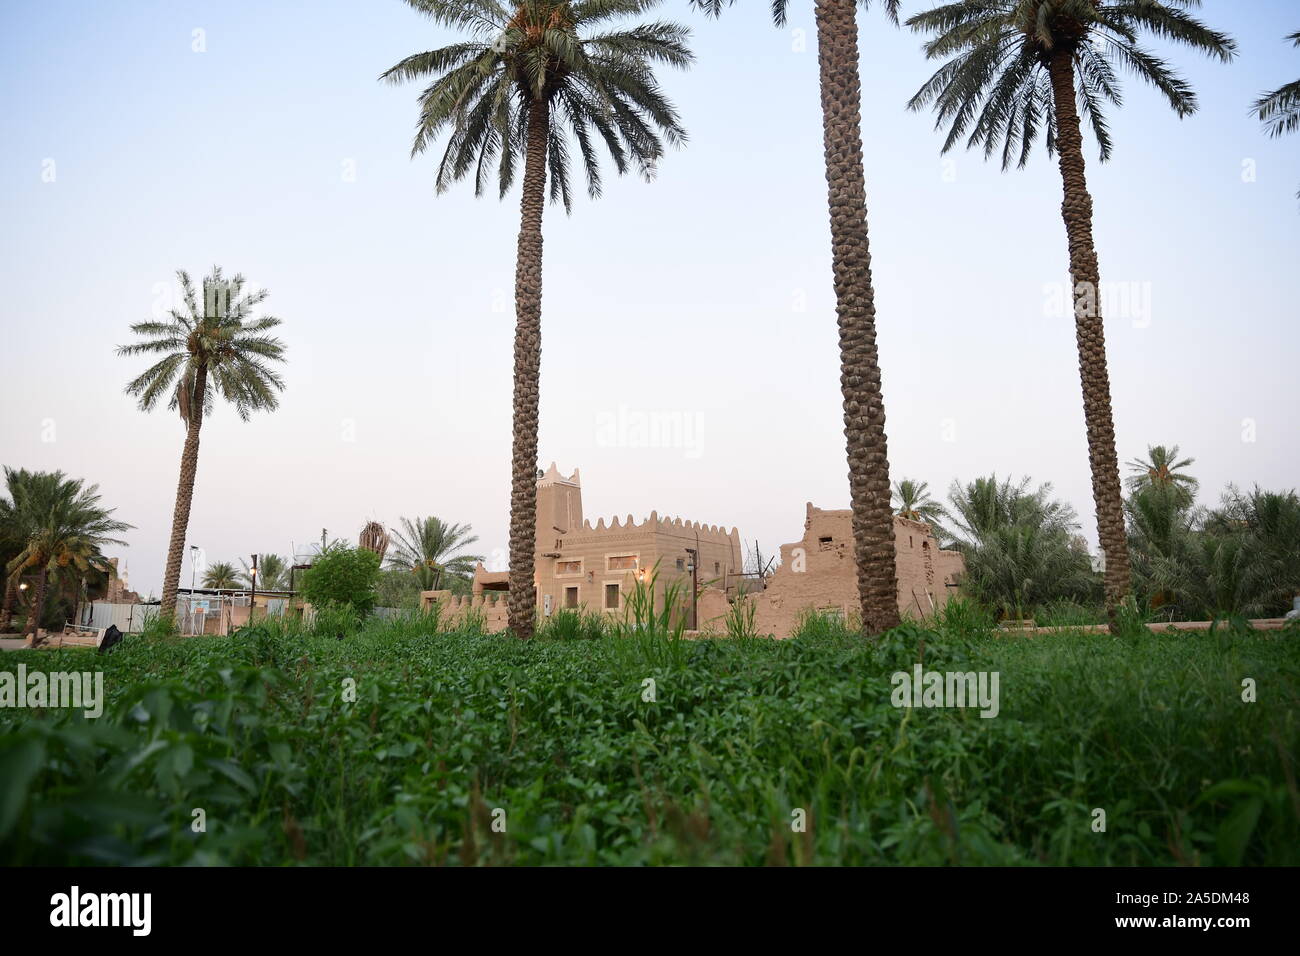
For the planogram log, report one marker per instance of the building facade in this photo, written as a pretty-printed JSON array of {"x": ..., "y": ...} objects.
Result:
[
  {"x": 578, "y": 565},
  {"x": 817, "y": 573}
]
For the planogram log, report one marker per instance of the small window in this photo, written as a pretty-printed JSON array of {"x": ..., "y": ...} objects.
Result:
[
  {"x": 824, "y": 544},
  {"x": 910, "y": 542},
  {"x": 568, "y": 567},
  {"x": 681, "y": 564},
  {"x": 717, "y": 567},
  {"x": 611, "y": 597},
  {"x": 571, "y": 597},
  {"x": 623, "y": 562}
]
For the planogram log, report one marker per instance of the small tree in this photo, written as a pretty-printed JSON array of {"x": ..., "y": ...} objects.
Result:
[{"x": 343, "y": 575}]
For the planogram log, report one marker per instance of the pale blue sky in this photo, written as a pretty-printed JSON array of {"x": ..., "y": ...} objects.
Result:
[{"x": 703, "y": 298}]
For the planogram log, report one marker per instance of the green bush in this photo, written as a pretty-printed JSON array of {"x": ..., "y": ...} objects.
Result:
[{"x": 343, "y": 575}]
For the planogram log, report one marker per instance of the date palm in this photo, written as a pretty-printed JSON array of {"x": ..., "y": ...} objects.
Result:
[
  {"x": 1016, "y": 69},
  {"x": 272, "y": 573},
  {"x": 1279, "y": 110},
  {"x": 430, "y": 549},
  {"x": 221, "y": 575},
  {"x": 14, "y": 531},
  {"x": 1164, "y": 469},
  {"x": 213, "y": 348},
  {"x": 864, "y": 406},
  {"x": 1018, "y": 543},
  {"x": 912, "y": 500},
  {"x": 65, "y": 527},
  {"x": 534, "y": 79}
]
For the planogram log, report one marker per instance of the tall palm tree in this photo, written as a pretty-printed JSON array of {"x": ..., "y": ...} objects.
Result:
[
  {"x": 912, "y": 500},
  {"x": 1163, "y": 468},
  {"x": 1017, "y": 67},
  {"x": 66, "y": 528},
  {"x": 1279, "y": 110},
  {"x": 216, "y": 348},
  {"x": 534, "y": 73},
  {"x": 221, "y": 575},
  {"x": 864, "y": 406},
  {"x": 272, "y": 573},
  {"x": 430, "y": 549}
]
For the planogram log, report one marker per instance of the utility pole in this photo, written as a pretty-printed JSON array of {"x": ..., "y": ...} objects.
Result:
[{"x": 252, "y": 598}]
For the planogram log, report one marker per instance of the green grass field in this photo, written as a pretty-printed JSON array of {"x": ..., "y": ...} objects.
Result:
[{"x": 454, "y": 738}]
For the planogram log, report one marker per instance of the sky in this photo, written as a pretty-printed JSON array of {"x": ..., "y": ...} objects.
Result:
[{"x": 690, "y": 355}]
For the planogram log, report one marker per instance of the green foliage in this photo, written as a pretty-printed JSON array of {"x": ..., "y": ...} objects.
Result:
[
  {"x": 822, "y": 624},
  {"x": 1020, "y": 546},
  {"x": 158, "y": 627},
  {"x": 334, "y": 619},
  {"x": 911, "y": 499},
  {"x": 965, "y": 618},
  {"x": 650, "y": 610},
  {"x": 257, "y": 729},
  {"x": 1279, "y": 110},
  {"x": 272, "y": 573},
  {"x": 218, "y": 342},
  {"x": 598, "y": 85},
  {"x": 221, "y": 575},
  {"x": 429, "y": 551},
  {"x": 994, "y": 90},
  {"x": 52, "y": 532},
  {"x": 398, "y": 589},
  {"x": 573, "y": 624},
  {"x": 740, "y": 618},
  {"x": 1193, "y": 563},
  {"x": 342, "y": 575}
]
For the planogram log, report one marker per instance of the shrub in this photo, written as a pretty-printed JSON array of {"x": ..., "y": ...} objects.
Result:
[{"x": 343, "y": 575}]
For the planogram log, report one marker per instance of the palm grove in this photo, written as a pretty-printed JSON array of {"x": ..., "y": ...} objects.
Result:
[{"x": 539, "y": 85}]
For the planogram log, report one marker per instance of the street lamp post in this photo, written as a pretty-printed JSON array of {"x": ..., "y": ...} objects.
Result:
[
  {"x": 252, "y": 598},
  {"x": 695, "y": 589}
]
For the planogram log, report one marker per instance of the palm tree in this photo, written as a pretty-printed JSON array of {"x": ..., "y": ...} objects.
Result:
[
  {"x": 1019, "y": 545},
  {"x": 66, "y": 527},
  {"x": 14, "y": 531},
  {"x": 272, "y": 573},
  {"x": 912, "y": 500},
  {"x": 1279, "y": 110},
  {"x": 534, "y": 72},
  {"x": 429, "y": 548},
  {"x": 1016, "y": 67},
  {"x": 220, "y": 349},
  {"x": 1163, "y": 468},
  {"x": 221, "y": 575},
  {"x": 864, "y": 406}
]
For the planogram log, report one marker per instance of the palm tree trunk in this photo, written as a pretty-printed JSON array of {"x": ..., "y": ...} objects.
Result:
[
  {"x": 864, "y": 408},
  {"x": 1076, "y": 210},
  {"x": 37, "y": 608},
  {"x": 521, "y": 607},
  {"x": 184, "y": 496},
  {"x": 11, "y": 599}
]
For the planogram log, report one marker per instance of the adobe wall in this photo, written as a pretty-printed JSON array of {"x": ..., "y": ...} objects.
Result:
[
  {"x": 491, "y": 605},
  {"x": 817, "y": 573}
]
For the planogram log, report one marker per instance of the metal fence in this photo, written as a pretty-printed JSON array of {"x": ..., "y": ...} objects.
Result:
[{"x": 125, "y": 617}]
